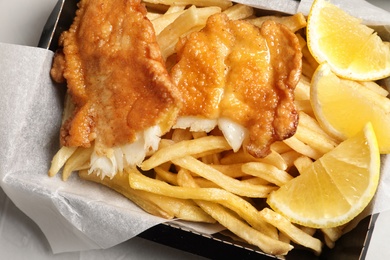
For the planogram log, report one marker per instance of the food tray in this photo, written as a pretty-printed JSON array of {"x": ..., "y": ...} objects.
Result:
[{"x": 352, "y": 245}]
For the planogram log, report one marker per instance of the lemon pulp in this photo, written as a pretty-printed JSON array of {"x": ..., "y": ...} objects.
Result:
[
  {"x": 353, "y": 50},
  {"x": 335, "y": 188},
  {"x": 343, "y": 107}
]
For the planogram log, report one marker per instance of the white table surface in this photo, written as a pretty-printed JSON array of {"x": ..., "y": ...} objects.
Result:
[{"x": 21, "y": 22}]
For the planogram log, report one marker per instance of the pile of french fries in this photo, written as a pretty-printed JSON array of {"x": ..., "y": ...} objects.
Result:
[{"x": 196, "y": 176}]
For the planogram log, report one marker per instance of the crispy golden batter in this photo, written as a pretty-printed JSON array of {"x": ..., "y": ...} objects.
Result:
[
  {"x": 115, "y": 75},
  {"x": 235, "y": 70}
]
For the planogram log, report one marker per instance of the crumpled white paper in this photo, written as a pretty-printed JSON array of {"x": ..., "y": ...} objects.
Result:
[
  {"x": 74, "y": 215},
  {"x": 368, "y": 13},
  {"x": 78, "y": 215}
]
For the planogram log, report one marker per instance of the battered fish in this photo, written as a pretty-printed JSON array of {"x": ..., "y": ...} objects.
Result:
[
  {"x": 241, "y": 78},
  {"x": 123, "y": 95}
]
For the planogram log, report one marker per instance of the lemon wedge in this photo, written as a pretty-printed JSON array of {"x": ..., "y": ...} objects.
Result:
[
  {"x": 352, "y": 49},
  {"x": 335, "y": 188},
  {"x": 343, "y": 107}
]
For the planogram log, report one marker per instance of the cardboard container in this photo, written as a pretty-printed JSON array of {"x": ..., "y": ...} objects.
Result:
[{"x": 352, "y": 245}]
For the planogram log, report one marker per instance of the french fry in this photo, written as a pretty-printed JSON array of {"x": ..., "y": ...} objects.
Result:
[
  {"x": 241, "y": 156},
  {"x": 155, "y": 8},
  {"x": 60, "y": 159},
  {"x": 255, "y": 181},
  {"x": 304, "y": 106},
  {"x": 293, "y": 232},
  {"x": 302, "y": 41},
  {"x": 239, "y": 11},
  {"x": 229, "y": 184},
  {"x": 302, "y": 89},
  {"x": 231, "y": 170},
  {"x": 181, "y": 135},
  {"x": 166, "y": 175},
  {"x": 237, "y": 204},
  {"x": 204, "y": 183},
  {"x": 159, "y": 205},
  {"x": 211, "y": 158},
  {"x": 187, "y": 147},
  {"x": 302, "y": 148},
  {"x": 328, "y": 242},
  {"x": 311, "y": 123},
  {"x": 375, "y": 87},
  {"x": 192, "y": 19},
  {"x": 307, "y": 68},
  {"x": 310, "y": 132},
  {"x": 290, "y": 157},
  {"x": 197, "y": 135},
  {"x": 119, "y": 183},
  {"x": 182, "y": 209},
  {"x": 76, "y": 161},
  {"x": 309, "y": 58},
  {"x": 315, "y": 140},
  {"x": 284, "y": 238},
  {"x": 308, "y": 230},
  {"x": 302, "y": 162},
  {"x": 267, "y": 172},
  {"x": 162, "y": 21},
  {"x": 175, "y": 8},
  {"x": 235, "y": 225},
  {"x": 333, "y": 233},
  {"x": 280, "y": 147},
  {"x": 151, "y": 16}
]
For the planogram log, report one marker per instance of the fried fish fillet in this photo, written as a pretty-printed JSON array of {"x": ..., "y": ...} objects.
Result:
[
  {"x": 123, "y": 96},
  {"x": 241, "y": 78}
]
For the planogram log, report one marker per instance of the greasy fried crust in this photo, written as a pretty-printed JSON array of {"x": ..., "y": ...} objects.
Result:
[
  {"x": 115, "y": 75},
  {"x": 58, "y": 67},
  {"x": 286, "y": 68},
  {"x": 235, "y": 70}
]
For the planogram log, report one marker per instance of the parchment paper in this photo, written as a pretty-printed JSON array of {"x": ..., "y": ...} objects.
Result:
[{"x": 78, "y": 215}]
